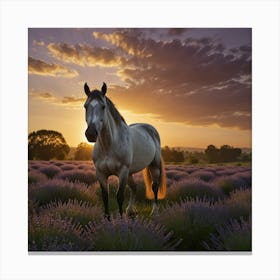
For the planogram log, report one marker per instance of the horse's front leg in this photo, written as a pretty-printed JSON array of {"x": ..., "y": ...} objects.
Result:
[
  {"x": 130, "y": 210},
  {"x": 104, "y": 189},
  {"x": 123, "y": 178}
]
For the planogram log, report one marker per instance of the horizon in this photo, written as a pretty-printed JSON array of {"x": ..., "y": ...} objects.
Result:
[{"x": 192, "y": 84}]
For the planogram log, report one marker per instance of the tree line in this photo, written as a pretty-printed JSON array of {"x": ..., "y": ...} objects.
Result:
[{"x": 49, "y": 144}]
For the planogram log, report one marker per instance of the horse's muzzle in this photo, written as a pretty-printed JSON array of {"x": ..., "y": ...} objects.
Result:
[{"x": 91, "y": 133}]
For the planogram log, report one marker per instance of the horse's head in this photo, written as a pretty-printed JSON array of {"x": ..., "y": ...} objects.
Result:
[{"x": 95, "y": 111}]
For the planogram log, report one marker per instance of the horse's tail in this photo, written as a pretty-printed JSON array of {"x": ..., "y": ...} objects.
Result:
[
  {"x": 148, "y": 182},
  {"x": 162, "y": 185}
]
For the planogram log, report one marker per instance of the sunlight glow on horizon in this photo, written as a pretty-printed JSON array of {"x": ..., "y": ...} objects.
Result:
[{"x": 172, "y": 134}]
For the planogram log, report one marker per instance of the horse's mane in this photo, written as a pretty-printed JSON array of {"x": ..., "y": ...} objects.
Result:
[{"x": 114, "y": 112}]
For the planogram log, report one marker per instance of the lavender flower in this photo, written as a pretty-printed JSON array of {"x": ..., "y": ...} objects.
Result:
[
  {"x": 130, "y": 235},
  {"x": 52, "y": 233},
  {"x": 193, "y": 187},
  {"x": 87, "y": 177},
  {"x": 192, "y": 220},
  {"x": 233, "y": 236}
]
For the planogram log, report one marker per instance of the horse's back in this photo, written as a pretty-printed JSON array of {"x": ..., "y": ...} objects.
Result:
[{"x": 145, "y": 144}]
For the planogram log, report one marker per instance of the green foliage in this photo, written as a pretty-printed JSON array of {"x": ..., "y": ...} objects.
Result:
[
  {"x": 225, "y": 154},
  {"x": 83, "y": 152},
  {"x": 245, "y": 157},
  {"x": 212, "y": 154},
  {"x": 193, "y": 159},
  {"x": 172, "y": 155},
  {"x": 47, "y": 144}
]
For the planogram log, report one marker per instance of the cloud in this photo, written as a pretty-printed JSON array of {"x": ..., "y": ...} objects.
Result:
[
  {"x": 43, "y": 96},
  {"x": 40, "y": 67},
  {"x": 72, "y": 100},
  {"x": 84, "y": 54},
  {"x": 194, "y": 81},
  {"x": 54, "y": 99},
  {"x": 39, "y": 43}
]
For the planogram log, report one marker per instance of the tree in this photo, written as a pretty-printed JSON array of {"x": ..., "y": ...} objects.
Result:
[
  {"x": 172, "y": 155},
  {"x": 47, "y": 144},
  {"x": 212, "y": 154},
  {"x": 228, "y": 153},
  {"x": 83, "y": 152}
]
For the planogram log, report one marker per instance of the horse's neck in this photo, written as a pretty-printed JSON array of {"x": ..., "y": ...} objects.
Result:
[{"x": 111, "y": 133}]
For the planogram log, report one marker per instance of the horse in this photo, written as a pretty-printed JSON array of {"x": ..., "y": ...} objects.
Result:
[{"x": 123, "y": 150}]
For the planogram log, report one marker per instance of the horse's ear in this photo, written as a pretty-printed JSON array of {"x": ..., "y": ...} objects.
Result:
[
  {"x": 104, "y": 88},
  {"x": 87, "y": 90}
]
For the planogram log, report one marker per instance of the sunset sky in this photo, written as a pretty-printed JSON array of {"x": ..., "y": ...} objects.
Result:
[{"x": 194, "y": 84}]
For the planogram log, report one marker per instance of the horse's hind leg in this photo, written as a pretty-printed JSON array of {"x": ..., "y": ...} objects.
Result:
[
  {"x": 130, "y": 210},
  {"x": 154, "y": 168}
]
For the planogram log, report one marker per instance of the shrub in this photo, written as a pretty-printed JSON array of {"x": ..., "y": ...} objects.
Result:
[
  {"x": 52, "y": 233},
  {"x": 246, "y": 176},
  {"x": 176, "y": 175},
  {"x": 229, "y": 183},
  {"x": 85, "y": 166},
  {"x": 234, "y": 236},
  {"x": 58, "y": 163},
  {"x": 203, "y": 175},
  {"x": 130, "y": 234},
  {"x": 82, "y": 176},
  {"x": 239, "y": 204},
  {"x": 55, "y": 190},
  {"x": 225, "y": 172},
  {"x": 192, "y": 221},
  {"x": 67, "y": 166},
  {"x": 79, "y": 212},
  {"x": 193, "y": 187},
  {"x": 50, "y": 170},
  {"x": 36, "y": 177}
]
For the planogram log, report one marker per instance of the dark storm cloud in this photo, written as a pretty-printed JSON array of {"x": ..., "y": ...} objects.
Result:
[{"x": 40, "y": 67}]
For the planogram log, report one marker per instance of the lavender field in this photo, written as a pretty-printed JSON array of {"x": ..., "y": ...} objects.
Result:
[{"x": 207, "y": 208}]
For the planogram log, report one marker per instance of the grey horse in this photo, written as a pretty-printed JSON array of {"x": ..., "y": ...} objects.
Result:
[{"x": 123, "y": 150}]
